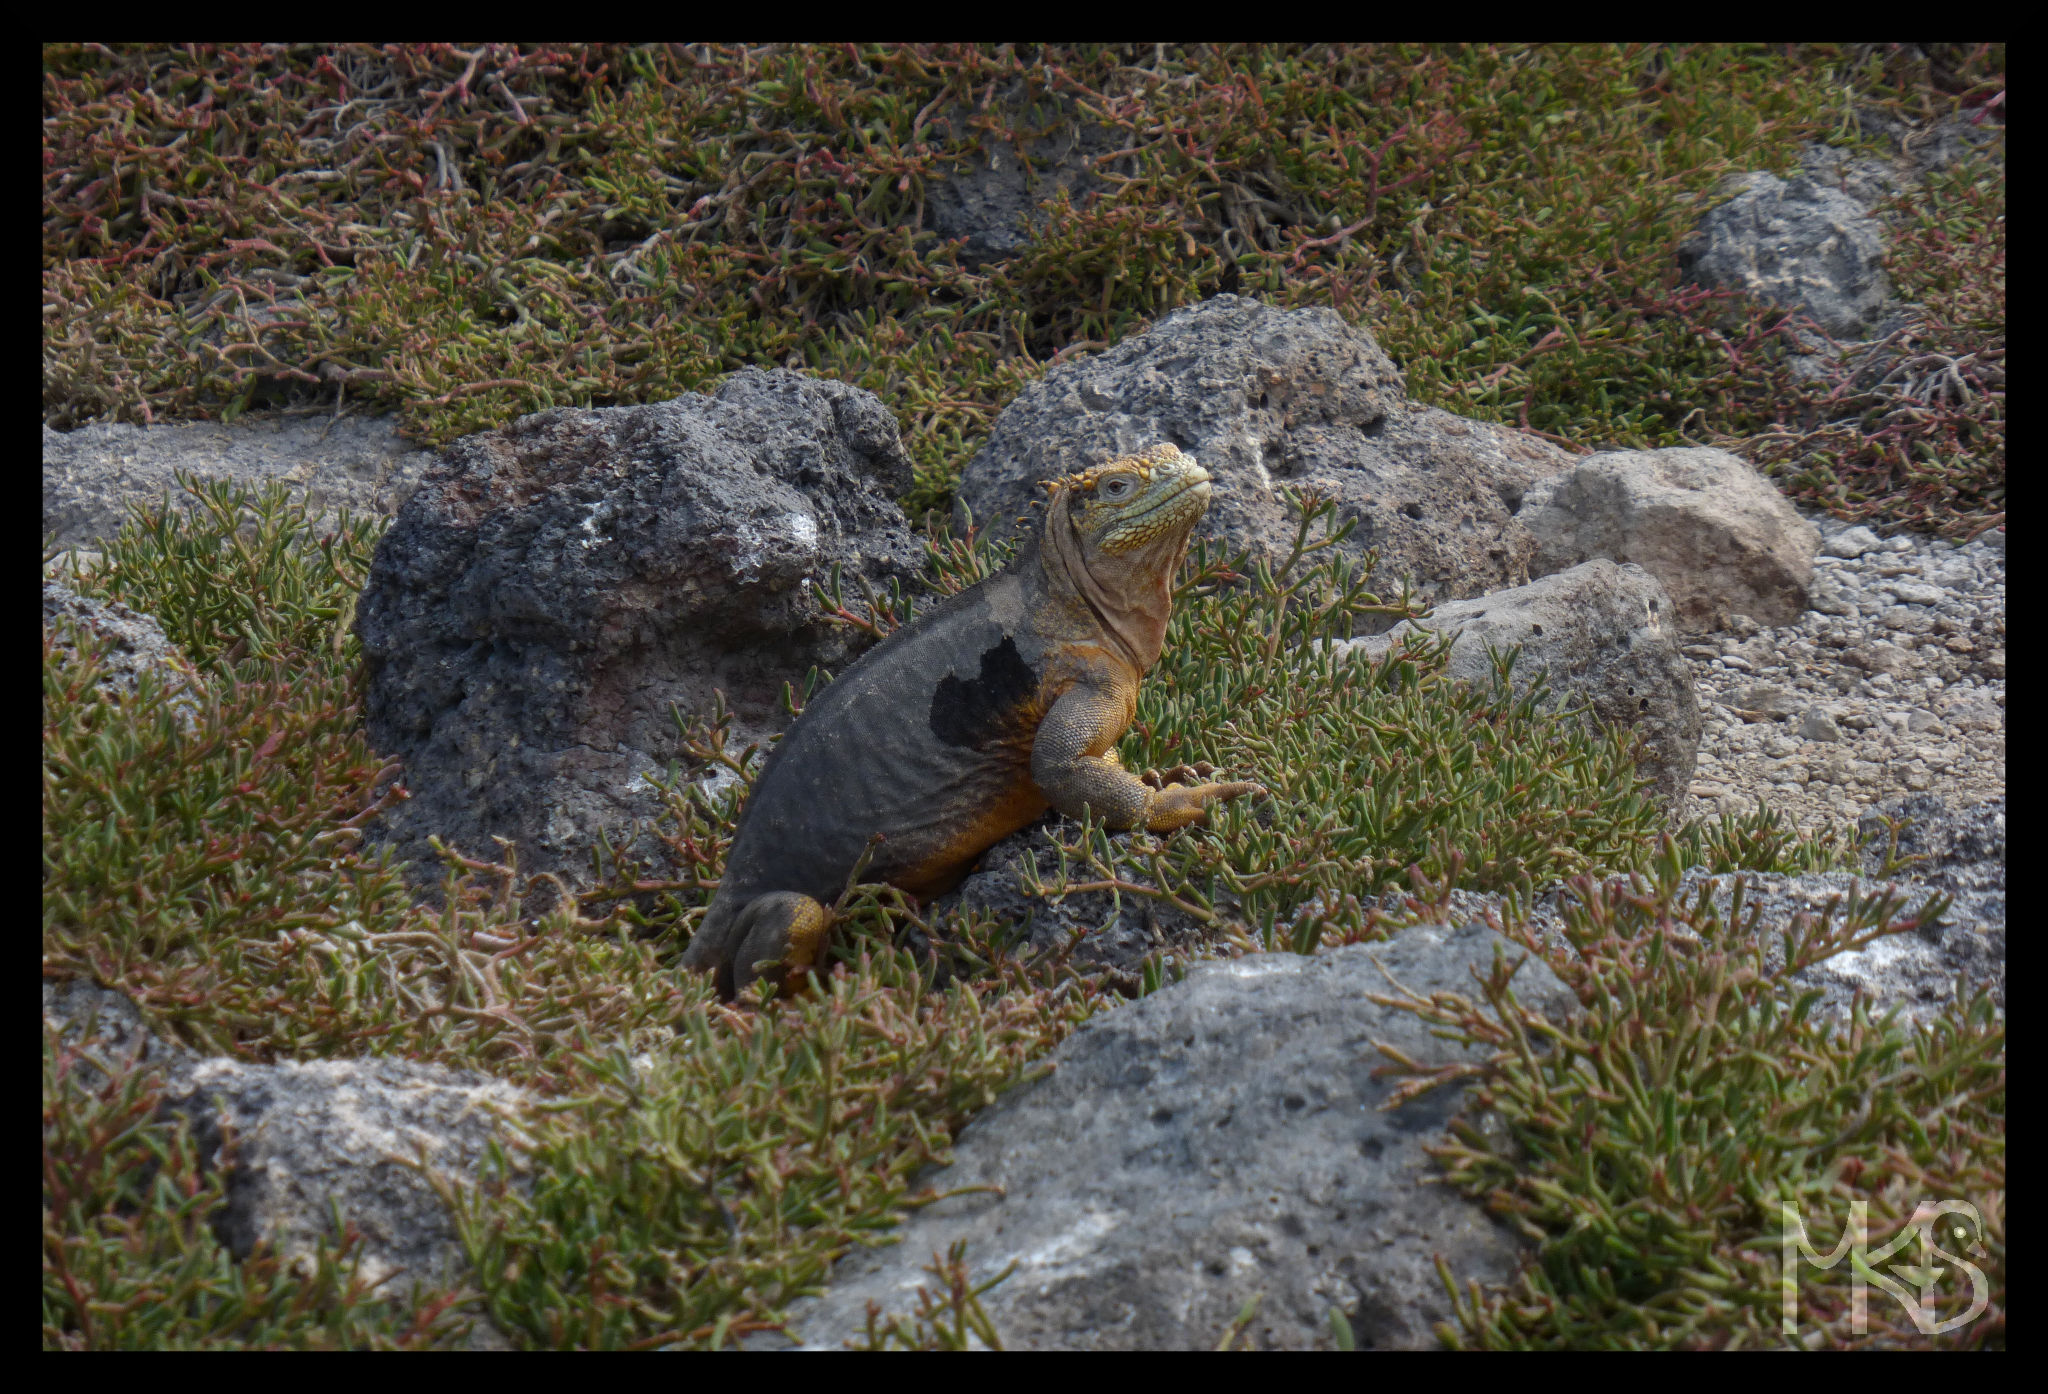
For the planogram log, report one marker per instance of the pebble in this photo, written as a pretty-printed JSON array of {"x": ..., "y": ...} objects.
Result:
[{"x": 1893, "y": 683}]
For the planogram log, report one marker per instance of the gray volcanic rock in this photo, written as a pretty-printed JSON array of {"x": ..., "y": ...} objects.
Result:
[
  {"x": 552, "y": 589},
  {"x": 1601, "y": 634},
  {"x": 997, "y": 201},
  {"x": 310, "y": 1137},
  {"x": 1803, "y": 244},
  {"x": 1268, "y": 398},
  {"x": 1914, "y": 973},
  {"x": 1102, "y": 929},
  {"x": 92, "y": 475},
  {"x": 131, "y": 644},
  {"x": 1959, "y": 850},
  {"x": 1218, "y": 1140},
  {"x": 1719, "y": 535}
]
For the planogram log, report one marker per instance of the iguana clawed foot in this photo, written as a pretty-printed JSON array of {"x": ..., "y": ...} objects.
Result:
[
  {"x": 1183, "y": 793},
  {"x": 1179, "y": 774}
]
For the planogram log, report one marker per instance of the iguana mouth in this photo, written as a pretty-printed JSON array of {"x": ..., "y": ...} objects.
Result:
[{"x": 1201, "y": 483}]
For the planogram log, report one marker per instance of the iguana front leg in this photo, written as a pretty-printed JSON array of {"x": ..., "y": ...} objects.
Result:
[{"x": 1093, "y": 716}]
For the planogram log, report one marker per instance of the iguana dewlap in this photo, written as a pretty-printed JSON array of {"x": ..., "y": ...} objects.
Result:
[{"x": 969, "y": 722}]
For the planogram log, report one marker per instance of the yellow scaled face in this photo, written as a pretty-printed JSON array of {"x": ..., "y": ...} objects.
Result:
[{"x": 1141, "y": 499}]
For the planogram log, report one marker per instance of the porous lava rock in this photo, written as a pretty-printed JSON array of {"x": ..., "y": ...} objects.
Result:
[
  {"x": 1266, "y": 399},
  {"x": 1803, "y": 244},
  {"x": 552, "y": 589},
  {"x": 1219, "y": 1141},
  {"x": 994, "y": 202}
]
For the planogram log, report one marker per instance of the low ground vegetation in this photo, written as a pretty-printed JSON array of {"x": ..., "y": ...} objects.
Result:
[{"x": 467, "y": 236}]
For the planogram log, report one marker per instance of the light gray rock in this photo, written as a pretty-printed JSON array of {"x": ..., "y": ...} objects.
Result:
[
  {"x": 1818, "y": 725},
  {"x": 552, "y": 588},
  {"x": 131, "y": 644},
  {"x": 1802, "y": 244},
  {"x": 1973, "y": 711},
  {"x": 309, "y": 1137},
  {"x": 1771, "y": 701},
  {"x": 1828, "y": 596},
  {"x": 1914, "y": 593},
  {"x": 1601, "y": 634},
  {"x": 1267, "y": 398},
  {"x": 1853, "y": 543},
  {"x": 1919, "y": 147},
  {"x": 92, "y": 475},
  {"x": 1914, "y": 972},
  {"x": 1718, "y": 535},
  {"x": 1879, "y": 657},
  {"x": 1216, "y": 1141}
]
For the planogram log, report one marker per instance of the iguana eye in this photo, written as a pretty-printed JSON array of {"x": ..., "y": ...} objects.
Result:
[{"x": 1116, "y": 488}]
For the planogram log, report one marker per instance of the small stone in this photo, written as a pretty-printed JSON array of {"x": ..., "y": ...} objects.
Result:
[
  {"x": 1853, "y": 543},
  {"x": 1773, "y": 702},
  {"x": 1880, "y": 658},
  {"x": 1915, "y": 593},
  {"x": 80, "y": 560},
  {"x": 1737, "y": 662},
  {"x": 1899, "y": 544},
  {"x": 1818, "y": 725},
  {"x": 1920, "y": 721},
  {"x": 1778, "y": 747},
  {"x": 1975, "y": 713}
]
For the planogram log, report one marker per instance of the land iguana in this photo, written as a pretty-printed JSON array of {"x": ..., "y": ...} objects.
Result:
[{"x": 967, "y": 723}]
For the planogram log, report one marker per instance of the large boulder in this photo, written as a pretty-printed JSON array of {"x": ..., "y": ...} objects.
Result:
[
  {"x": 93, "y": 474},
  {"x": 1268, "y": 398},
  {"x": 1720, "y": 537},
  {"x": 1601, "y": 634},
  {"x": 553, "y": 588},
  {"x": 1218, "y": 1141},
  {"x": 1803, "y": 244}
]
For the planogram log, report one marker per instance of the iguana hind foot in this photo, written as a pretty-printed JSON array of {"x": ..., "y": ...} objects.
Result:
[{"x": 780, "y": 936}]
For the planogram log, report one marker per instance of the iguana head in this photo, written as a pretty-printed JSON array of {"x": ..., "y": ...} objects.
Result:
[{"x": 1115, "y": 534}]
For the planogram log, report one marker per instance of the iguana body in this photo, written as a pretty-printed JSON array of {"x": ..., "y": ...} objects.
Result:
[{"x": 969, "y": 722}]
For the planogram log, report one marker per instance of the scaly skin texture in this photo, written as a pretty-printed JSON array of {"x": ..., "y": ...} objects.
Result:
[{"x": 968, "y": 723}]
